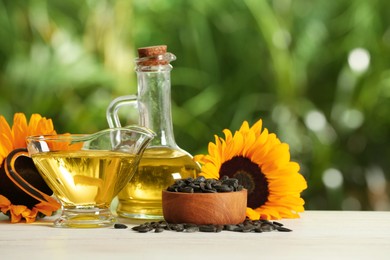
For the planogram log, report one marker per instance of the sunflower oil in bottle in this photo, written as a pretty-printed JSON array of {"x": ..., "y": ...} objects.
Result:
[
  {"x": 163, "y": 161},
  {"x": 158, "y": 169}
]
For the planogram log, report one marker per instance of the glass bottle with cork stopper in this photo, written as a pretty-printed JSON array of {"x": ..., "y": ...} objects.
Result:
[{"x": 163, "y": 161}]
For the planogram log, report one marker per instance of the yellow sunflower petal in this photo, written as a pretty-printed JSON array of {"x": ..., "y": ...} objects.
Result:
[
  {"x": 47, "y": 208},
  {"x": 260, "y": 148},
  {"x": 210, "y": 171},
  {"x": 213, "y": 160},
  {"x": 16, "y": 213},
  {"x": 4, "y": 127},
  {"x": 6, "y": 139},
  {"x": 234, "y": 148},
  {"x": 244, "y": 127},
  {"x": 33, "y": 123},
  {"x": 19, "y": 130},
  {"x": 213, "y": 147},
  {"x": 4, "y": 204},
  {"x": 199, "y": 158},
  {"x": 249, "y": 142},
  {"x": 5, "y": 147},
  {"x": 221, "y": 148},
  {"x": 268, "y": 212},
  {"x": 256, "y": 128},
  {"x": 278, "y": 154},
  {"x": 214, "y": 152},
  {"x": 44, "y": 126},
  {"x": 30, "y": 215},
  {"x": 288, "y": 183},
  {"x": 228, "y": 135},
  {"x": 286, "y": 212},
  {"x": 253, "y": 215}
]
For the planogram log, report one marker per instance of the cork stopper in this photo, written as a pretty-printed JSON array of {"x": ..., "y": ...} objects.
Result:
[
  {"x": 152, "y": 55},
  {"x": 152, "y": 51}
]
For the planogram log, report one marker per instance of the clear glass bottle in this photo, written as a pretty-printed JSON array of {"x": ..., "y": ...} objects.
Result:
[{"x": 163, "y": 161}]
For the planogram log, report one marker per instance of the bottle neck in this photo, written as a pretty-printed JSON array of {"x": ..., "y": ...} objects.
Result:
[{"x": 154, "y": 102}]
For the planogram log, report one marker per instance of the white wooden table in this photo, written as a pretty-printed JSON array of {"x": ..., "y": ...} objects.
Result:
[{"x": 316, "y": 235}]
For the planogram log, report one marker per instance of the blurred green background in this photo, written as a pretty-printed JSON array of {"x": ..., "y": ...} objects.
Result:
[{"x": 316, "y": 72}]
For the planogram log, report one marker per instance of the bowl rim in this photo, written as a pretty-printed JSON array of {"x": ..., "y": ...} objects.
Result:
[{"x": 204, "y": 193}]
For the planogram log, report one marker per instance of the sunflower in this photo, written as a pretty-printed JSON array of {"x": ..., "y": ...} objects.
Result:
[
  {"x": 15, "y": 199},
  {"x": 261, "y": 163}
]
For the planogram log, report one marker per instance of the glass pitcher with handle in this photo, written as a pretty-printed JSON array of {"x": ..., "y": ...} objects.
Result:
[
  {"x": 86, "y": 171},
  {"x": 163, "y": 161}
]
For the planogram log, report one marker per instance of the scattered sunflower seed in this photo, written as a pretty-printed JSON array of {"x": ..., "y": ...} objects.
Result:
[
  {"x": 120, "y": 226},
  {"x": 158, "y": 230},
  {"x": 267, "y": 227},
  {"x": 207, "y": 228},
  {"x": 192, "y": 229},
  {"x": 277, "y": 223},
  {"x": 248, "y": 226},
  {"x": 283, "y": 229}
]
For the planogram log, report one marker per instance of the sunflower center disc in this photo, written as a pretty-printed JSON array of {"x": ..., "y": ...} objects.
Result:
[{"x": 250, "y": 176}]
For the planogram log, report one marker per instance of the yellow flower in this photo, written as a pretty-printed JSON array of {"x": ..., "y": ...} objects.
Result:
[
  {"x": 11, "y": 139},
  {"x": 261, "y": 163}
]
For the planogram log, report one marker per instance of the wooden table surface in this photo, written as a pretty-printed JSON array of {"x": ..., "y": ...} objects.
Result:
[{"x": 316, "y": 235}]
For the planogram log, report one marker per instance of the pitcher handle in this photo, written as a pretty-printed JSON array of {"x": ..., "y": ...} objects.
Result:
[
  {"x": 113, "y": 108},
  {"x": 19, "y": 181}
]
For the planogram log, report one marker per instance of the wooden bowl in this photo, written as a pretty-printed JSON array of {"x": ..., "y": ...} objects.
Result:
[{"x": 205, "y": 208}]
